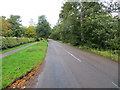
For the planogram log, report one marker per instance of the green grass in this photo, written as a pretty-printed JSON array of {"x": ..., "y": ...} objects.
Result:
[
  {"x": 17, "y": 64},
  {"x": 111, "y": 54},
  {"x": 9, "y": 49}
]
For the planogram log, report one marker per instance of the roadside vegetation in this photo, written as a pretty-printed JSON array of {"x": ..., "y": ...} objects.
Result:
[
  {"x": 19, "y": 63},
  {"x": 9, "y": 42},
  {"x": 12, "y": 27},
  {"x": 9, "y": 49},
  {"x": 14, "y": 35},
  {"x": 111, "y": 54},
  {"x": 91, "y": 26}
]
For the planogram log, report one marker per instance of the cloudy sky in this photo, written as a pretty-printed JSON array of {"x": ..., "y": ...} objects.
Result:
[{"x": 31, "y": 9}]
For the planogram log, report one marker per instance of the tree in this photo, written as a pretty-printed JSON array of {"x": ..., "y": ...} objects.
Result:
[
  {"x": 43, "y": 27},
  {"x": 6, "y": 31},
  {"x": 70, "y": 22},
  {"x": 15, "y": 21},
  {"x": 88, "y": 23},
  {"x": 30, "y": 32},
  {"x": 23, "y": 29},
  {"x": 55, "y": 33},
  {"x": 32, "y": 23}
]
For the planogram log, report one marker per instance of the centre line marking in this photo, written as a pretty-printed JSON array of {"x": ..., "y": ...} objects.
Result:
[
  {"x": 115, "y": 85},
  {"x": 73, "y": 56}
]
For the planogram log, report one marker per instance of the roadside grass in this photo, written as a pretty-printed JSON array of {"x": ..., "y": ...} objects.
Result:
[
  {"x": 19, "y": 63},
  {"x": 9, "y": 49},
  {"x": 111, "y": 54}
]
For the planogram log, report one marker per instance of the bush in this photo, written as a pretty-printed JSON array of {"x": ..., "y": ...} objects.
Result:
[{"x": 8, "y": 42}]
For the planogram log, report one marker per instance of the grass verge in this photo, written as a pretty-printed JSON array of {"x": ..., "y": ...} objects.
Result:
[
  {"x": 9, "y": 49},
  {"x": 17, "y": 64},
  {"x": 111, "y": 54}
]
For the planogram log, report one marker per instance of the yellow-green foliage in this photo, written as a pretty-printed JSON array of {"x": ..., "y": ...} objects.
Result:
[{"x": 14, "y": 41}]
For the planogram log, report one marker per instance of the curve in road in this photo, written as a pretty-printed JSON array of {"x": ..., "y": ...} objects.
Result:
[{"x": 69, "y": 67}]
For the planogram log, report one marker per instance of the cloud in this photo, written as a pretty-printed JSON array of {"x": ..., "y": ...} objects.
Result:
[{"x": 31, "y": 9}]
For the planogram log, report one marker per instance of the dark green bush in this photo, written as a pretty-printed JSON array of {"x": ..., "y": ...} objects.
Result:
[{"x": 8, "y": 42}]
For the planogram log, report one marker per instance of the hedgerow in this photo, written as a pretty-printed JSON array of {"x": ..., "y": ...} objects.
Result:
[{"x": 8, "y": 42}]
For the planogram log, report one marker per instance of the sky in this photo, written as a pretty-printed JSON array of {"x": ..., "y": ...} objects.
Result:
[{"x": 31, "y": 9}]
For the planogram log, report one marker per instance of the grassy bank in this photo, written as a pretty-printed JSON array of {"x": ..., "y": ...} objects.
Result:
[
  {"x": 17, "y": 64},
  {"x": 111, "y": 54},
  {"x": 9, "y": 49}
]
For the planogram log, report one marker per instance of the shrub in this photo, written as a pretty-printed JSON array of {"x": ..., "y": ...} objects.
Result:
[{"x": 8, "y": 42}]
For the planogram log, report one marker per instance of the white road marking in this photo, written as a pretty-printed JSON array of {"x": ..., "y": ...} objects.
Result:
[
  {"x": 115, "y": 85},
  {"x": 80, "y": 61},
  {"x": 73, "y": 56},
  {"x": 70, "y": 53}
]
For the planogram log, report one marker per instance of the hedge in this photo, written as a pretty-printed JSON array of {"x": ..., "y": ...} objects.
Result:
[{"x": 8, "y": 42}]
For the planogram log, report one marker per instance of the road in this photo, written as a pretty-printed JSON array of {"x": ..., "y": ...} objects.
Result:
[{"x": 69, "y": 67}]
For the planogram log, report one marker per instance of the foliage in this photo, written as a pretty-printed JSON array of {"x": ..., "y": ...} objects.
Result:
[
  {"x": 17, "y": 64},
  {"x": 88, "y": 24},
  {"x": 13, "y": 48},
  {"x": 6, "y": 31},
  {"x": 12, "y": 27},
  {"x": 55, "y": 33},
  {"x": 30, "y": 32},
  {"x": 15, "y": 21},
  {"x": 14, "y": 41},
  {"x": 43, "y": 27},
  {"x": 107, "y": 53}
]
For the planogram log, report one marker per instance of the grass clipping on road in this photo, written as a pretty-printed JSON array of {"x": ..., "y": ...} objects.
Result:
[{"x": 17, "y": 64}]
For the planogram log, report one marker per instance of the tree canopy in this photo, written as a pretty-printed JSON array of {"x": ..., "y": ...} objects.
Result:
[
  {"x": 15, "y": 21},
  {"x": 88, "y": 23},
  {"x": 12, "y": 27},
  {"x": 6, "y": 27},
  {"x": 43, "y": 27}
]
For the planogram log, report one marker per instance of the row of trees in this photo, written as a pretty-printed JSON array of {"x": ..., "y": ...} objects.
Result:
[
  {"x": 90, "y": 24},
  {"x": 12, "y": 27}
]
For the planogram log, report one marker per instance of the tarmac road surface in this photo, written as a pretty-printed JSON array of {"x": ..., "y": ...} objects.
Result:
[{"x": 69, "y": 67}]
